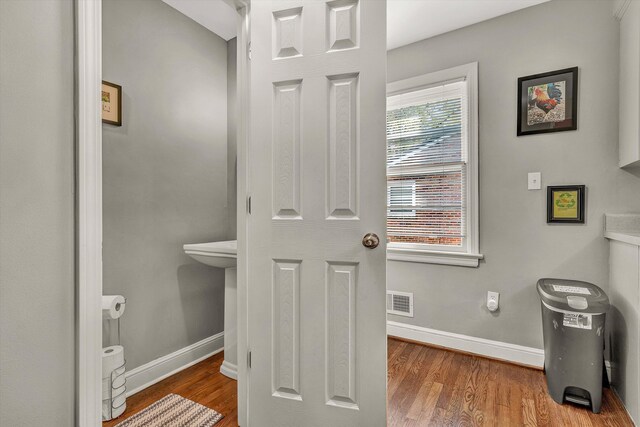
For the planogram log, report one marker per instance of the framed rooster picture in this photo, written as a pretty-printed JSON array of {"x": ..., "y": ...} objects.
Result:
[{"x": 548, "y": 102}]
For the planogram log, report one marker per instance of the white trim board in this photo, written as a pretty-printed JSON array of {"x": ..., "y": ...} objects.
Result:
[
  {"x": 469, "y": 254},
  {"x": 88, "y": 396},
  {"x": 88, "y": 213},
  {"x": 155, "y": 371},
  {"x": 243, "y": 166},
  {"x": 529, "y": 356}
]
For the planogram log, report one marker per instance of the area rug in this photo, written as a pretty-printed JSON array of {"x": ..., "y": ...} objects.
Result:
[{"x": 173, "y": 411}]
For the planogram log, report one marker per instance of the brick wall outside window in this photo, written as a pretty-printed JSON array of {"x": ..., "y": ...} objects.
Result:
[
  {"x": 449, "y": 220},
  {"x": 426, "y": 169}
]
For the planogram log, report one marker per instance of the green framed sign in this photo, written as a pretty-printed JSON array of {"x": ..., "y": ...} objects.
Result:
[{"x": 565, "y": 204}]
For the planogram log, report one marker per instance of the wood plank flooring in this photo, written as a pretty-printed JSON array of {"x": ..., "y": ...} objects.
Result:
[
  {"x": 202, "y": 383},
  {"x": 427, "y": 386},
  {"x": 430, "y": 386}
]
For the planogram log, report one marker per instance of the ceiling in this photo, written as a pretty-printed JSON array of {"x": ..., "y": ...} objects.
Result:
[
  {"x": 408, "y": 21},
  {"x": 215, "y": 15}
]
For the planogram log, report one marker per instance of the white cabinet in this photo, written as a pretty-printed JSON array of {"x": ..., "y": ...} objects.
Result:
[
  {"x": 624, "y": 323},
  {"x": 628, "y": 12}
]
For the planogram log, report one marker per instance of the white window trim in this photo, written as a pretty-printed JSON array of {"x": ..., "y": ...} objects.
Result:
[
  {"x": 469, "y": 254},
  {"x": 406, "y": 212}
]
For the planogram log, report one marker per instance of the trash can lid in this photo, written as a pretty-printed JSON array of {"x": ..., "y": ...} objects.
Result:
[{"x": 573, "y": 295}]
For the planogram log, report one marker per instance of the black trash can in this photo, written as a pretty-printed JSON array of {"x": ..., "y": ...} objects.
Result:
[{"x": 573, "y": 315}]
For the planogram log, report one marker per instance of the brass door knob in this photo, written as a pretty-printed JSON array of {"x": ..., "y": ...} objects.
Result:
[{"x": 370, "y": 240}]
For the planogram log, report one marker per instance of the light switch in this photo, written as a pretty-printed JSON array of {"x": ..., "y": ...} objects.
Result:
[{"x": 534, "y": 181}]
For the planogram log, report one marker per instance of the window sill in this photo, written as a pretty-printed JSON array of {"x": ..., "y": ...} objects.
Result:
[{"x": 462, "y": 259}]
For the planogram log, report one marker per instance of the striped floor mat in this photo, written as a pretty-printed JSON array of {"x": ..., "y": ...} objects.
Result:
[{"x": 173, "y": 411}]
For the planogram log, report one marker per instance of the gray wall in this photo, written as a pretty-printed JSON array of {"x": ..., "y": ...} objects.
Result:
[
  {"x": 519, "y": 247},
  {"x": 37, "y": 354},
  {"x": 232, "y": 145},
  {"x": 165, "y": 175}
]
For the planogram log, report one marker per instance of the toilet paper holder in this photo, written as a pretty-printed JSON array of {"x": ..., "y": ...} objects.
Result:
[
  {"x": 118, "y": 320},
  {"x": 111, "y": 399},
  {"x": 112, "y": 405}
]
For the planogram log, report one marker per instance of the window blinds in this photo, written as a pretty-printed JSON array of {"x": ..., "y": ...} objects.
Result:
[{"x": 426, "y": 165}]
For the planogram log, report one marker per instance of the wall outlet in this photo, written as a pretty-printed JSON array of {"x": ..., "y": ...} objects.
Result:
[
  {"x": 493, "y": 301},
  {"x": 534, "y": 179}
]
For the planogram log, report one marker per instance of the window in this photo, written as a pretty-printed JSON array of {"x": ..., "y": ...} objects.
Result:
[{"x": 432, "y": 168}]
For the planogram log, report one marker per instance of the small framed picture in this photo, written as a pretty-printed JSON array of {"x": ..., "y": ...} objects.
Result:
[
  {"x": 565, "y": 204},
  {"x": 548, "y": 102},
  {"x": 111, "y": 103}
]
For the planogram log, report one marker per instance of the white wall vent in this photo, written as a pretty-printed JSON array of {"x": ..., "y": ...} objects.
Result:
[{"x": 400, "y": 303}]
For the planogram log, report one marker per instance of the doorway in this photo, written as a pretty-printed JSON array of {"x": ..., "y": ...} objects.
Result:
[{"x": 91, "y": 221}]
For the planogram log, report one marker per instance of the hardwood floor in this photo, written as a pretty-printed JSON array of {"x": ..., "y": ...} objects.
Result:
[
  {"x": 427, "y": 386},
  {"x": 202, "y": 383},
  {"x": 434, "y": 387}
]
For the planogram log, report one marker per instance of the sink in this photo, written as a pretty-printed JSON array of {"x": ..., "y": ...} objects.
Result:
[
  {"x": 216, "y": 254},
  {"x": 223, "y": 255}
]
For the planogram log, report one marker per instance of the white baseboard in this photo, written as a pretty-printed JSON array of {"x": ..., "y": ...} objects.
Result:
[
  {"x": 155, "y": 371},
  {"x": 495, "y": 349},
  {"x": 229, "y": 369}
]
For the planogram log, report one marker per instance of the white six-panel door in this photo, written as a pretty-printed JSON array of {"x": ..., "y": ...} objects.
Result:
[{"x": 317, "y": 330}]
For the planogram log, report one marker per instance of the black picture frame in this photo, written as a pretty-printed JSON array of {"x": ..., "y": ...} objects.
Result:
[
  {"x": 552, "y": 217},
  {"x": 533, "y": 118},
  {"x": 118, "y": 104}
]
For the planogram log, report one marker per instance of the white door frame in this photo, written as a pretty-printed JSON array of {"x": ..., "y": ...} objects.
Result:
[{"x": 89, "y": 209}]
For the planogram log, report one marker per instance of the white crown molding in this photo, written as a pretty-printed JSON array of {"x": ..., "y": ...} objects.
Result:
[
  {"x": 528, "y": 356},
  {"x": 155, "y": 371}
]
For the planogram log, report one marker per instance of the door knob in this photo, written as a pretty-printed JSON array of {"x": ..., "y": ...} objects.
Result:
[{"x": 370, "y": 240}]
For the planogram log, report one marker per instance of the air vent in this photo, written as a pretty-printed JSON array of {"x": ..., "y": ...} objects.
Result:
[{"x": 400, "y": 303}]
